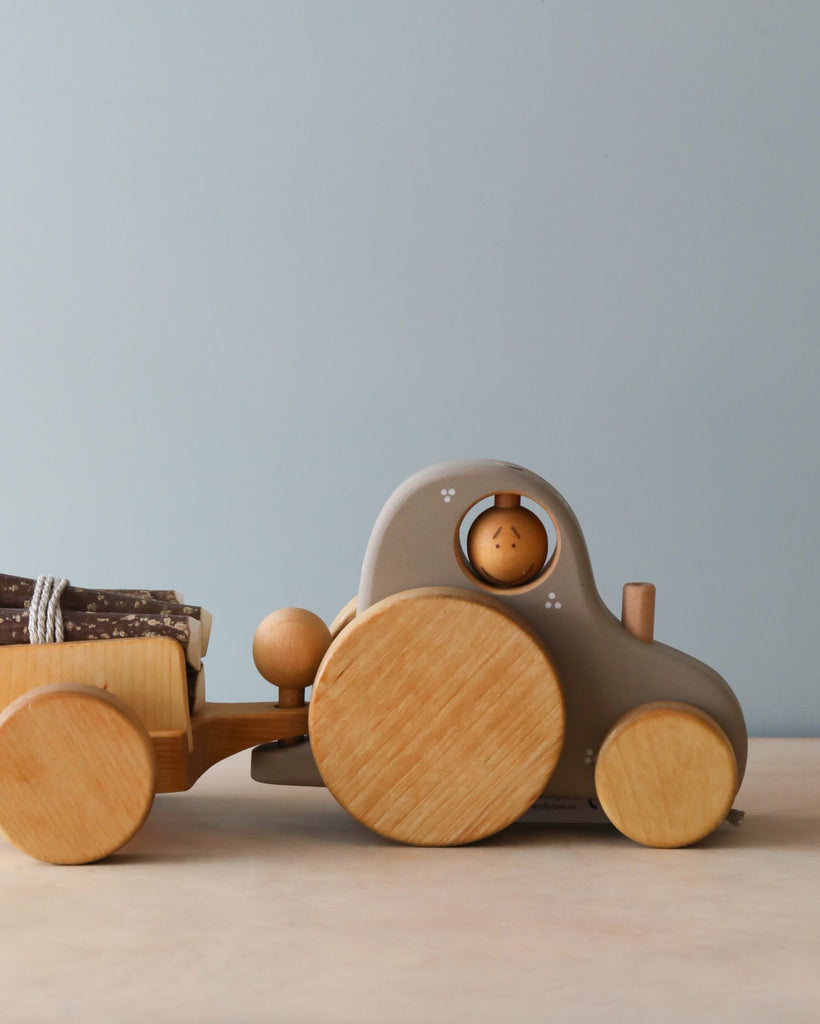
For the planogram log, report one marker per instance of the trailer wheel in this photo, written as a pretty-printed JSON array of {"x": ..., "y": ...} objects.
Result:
[
  {"x": 666, "y": 774},
  {"x": 76, "y": 773},
  {"x": 436, "y": 717}
]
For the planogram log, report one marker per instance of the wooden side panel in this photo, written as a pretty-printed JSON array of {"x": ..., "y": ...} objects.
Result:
[{"x": 147, "y": 673}]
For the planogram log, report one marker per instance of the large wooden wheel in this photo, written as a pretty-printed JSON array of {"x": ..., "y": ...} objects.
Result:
[
  {"x": 436, "y": 718},
  {"x": 666, "y": 774},
  {"x": 76, "y": 773}
]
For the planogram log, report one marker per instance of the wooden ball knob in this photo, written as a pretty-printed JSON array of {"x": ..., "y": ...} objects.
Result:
[
  {"x": 507, "y": 544},
  {"x": 288, "y": 646}
]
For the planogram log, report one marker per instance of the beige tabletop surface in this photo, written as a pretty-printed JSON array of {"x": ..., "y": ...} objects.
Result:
[{"x": 245, "y": 902}]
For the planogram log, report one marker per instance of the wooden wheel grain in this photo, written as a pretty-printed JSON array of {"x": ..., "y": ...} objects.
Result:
[
  {"x": 76, "y": 773},
  {"x": 436, "y": 718},
  {"x": 666, "y": 775}
]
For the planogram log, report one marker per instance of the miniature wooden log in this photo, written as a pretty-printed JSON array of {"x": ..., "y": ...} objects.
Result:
[
  {"x": 173, "y": 596},
  {"x": 17, "y": 591},
  {"x": 111, "y": 626}
]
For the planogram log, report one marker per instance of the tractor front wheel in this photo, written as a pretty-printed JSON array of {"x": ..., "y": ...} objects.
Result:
[{"x": 666, "y": 774}]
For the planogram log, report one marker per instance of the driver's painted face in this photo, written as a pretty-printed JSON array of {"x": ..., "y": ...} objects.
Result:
[{"x": 507, "y": 545}]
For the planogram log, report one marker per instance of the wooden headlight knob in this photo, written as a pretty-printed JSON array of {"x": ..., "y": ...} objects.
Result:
[
  {"x": 288, "y": 646},
  {"x": 638, "y": 610}
]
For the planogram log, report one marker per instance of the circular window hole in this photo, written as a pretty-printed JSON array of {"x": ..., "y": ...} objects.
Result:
[{"x": 514, "y": 554}]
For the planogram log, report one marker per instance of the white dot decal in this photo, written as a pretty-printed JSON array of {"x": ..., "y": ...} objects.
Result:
[
  {"x": 448, "y": 493},
  {"x": 552, "y": 603}
]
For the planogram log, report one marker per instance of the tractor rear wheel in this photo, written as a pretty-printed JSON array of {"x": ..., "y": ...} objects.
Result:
[{"x": 436, "y": 718}]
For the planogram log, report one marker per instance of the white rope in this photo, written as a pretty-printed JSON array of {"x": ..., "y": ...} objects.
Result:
[{"x": 45, "y": 618}]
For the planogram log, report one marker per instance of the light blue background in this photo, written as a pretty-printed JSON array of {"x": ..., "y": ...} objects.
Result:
[{"x": 259, "y": 262}]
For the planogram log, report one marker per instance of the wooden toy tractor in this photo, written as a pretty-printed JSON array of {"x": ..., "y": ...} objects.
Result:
[{"x": 478, "y": 670}]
